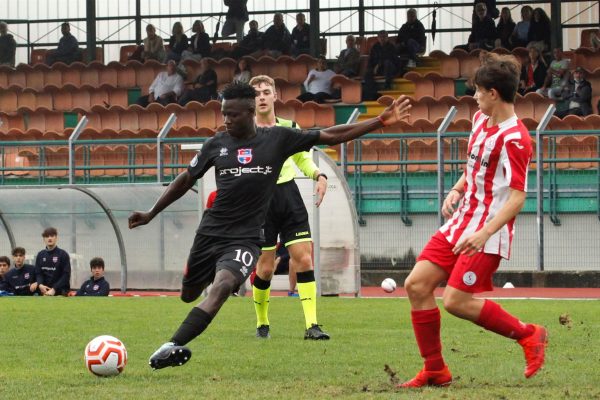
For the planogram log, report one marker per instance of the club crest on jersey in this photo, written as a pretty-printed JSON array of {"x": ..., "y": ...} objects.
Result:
[
  {"x": 55, "y": 259},
  {"x": 244, "y": 156},
  {"x": 26, "y": 276}
]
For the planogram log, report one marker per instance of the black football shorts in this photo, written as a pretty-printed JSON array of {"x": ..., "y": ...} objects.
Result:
[
  {"x": 210, "y": 254},
  {"x": 287, "y": 217}
]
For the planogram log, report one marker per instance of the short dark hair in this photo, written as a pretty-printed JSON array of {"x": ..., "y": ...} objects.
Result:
[
  {"x": 239, "y": 90},
  {"x": 4, "y": 259},
  {"x": 96, "y": 262},
  {"x": 500, "y": 72},
  {"x": 18, "y": 251},
  {"x": 50, "y": 231}
]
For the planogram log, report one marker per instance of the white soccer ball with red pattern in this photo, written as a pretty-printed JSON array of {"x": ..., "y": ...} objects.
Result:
[{"x": 105, "y": 356}]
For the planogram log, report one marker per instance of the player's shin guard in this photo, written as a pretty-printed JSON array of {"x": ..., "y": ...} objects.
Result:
[
  {"x": 307, "y": 291},
  {"x": 193, "y": 325},
  {"x": 495, "y": 319},
  {"x": 261, "y": 292}
]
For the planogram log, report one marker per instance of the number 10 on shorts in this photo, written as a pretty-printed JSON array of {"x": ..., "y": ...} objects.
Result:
[{"x": 244, "y": 257}]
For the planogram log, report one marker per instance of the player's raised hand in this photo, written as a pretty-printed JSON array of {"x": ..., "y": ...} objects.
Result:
[
  {"x": 139, "y": 218},
  {"x": 396, "y": 112}
]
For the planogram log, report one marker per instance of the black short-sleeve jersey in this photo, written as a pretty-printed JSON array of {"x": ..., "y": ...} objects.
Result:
[{"x": 246, "y": 173}]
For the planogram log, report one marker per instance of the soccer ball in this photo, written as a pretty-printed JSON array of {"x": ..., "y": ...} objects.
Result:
[
  {"x": 105, "y": 356},
  {"x": 388, "y": 285}
]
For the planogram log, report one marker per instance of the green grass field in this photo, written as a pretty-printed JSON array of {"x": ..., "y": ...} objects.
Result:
[{"x": 42, "y": 342}]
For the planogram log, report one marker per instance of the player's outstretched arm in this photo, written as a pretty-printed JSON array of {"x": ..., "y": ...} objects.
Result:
[
  {"x": 396, "y": 112},
  {"x": 175, "y": 190}
]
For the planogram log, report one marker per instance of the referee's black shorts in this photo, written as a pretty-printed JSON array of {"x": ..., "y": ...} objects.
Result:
[
  {"x": 287, "y": 217},
  {"x": 210, "y": 254}
]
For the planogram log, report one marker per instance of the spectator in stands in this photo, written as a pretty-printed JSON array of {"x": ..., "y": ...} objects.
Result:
[
  {"x": 4, "y": 267},
  {"x": 520, "y": 35},
  {"x": 504, "y": 29},
  {"x": 577, "y": 96},
  {"x": 533, "y": 74},
  {"x": 301, "y": 36},
  {"x": 96, "y": 285},
  {"x": 242, "y": 72},
  {"x": 483, "y": 32},
  {"x": 199, "y": 43},
  {"x": 557, "y": 77},
  {"x": 252, "y": 43},
  {"x": 52, "y": 266},
  {"x": 178, "y": 42},
  {"x": 166, "y": 87},
  {"x": 154, "y": 48},
  {"x": 539, "y": 31},
  {"x": 205, "y": 85},
  {"x": 411, "y": 38},
  {"x": 237, "y": 15},
  {"x": 318, "y": 83},
  {"x": 8, "y": 46},
  {"x": 490, "y": 5},
  {"x": 277, "y": 40},
  {"x": 382, "y": 60},
  {"x": 21, "y": 279},
  {"x": 348, "y": 62},
  {"x": 67, "y": 50}
]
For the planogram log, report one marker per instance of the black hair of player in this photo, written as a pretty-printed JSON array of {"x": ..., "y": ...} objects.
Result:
[
  {"x": 240, "y": 91},
  {"x": 500, "y": 72}
]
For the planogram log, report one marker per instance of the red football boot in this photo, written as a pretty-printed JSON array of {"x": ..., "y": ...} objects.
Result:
[
  {"x": 534, "y": 347},
  {"x": 429, "y": 378}
]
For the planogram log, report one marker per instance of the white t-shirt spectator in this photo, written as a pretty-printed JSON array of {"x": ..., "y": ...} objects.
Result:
[
  {"x": 165, "y": 83},
  {"x": 321, "y": 81}
]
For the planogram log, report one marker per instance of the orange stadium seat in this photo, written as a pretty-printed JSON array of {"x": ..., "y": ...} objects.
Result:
[
  {"x": 44, "y": 100},
  {"x": 279, "y": 69},
  {"x": 324, "y": 116},
  {"x": 53, "y": 79},
  {"x": 91, "y": 76},
  {"x": 593, "y": 120},
  {"x": 9, "y": 100},
  {"x": 38, "y": 56},
  {"x": 108, "y": 76},
  {"x": 351, "y": 90},
  {"x": 442, "y": 85},
  {"x": 305, "y": 115},
  {"x": 524, "y": 107},
  {"x": 81, "y": 100},
  {"x": 17, "y": 80},
  {"x": 419, "y": 110},
  {"x": 34, "y": 77},
  {"x": 423, "y": 86},
  {"x": 285, "y": 110},
  {"x": 126, "y": 51},
  {"x": 27, "y": 101}
]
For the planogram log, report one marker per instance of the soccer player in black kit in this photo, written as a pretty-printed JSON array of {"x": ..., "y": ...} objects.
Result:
[{"x": 247, "y": 162}]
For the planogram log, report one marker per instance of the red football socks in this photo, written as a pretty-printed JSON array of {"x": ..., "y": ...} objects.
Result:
[
  {"x": 495, "y": 319},
  {"x": 426, "y": 325}
]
